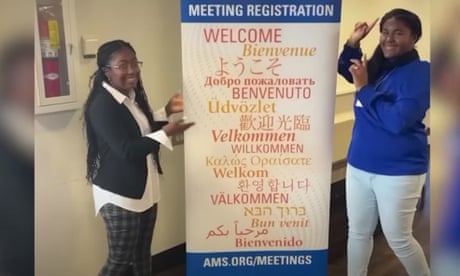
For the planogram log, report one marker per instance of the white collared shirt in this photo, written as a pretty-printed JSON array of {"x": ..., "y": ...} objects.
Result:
[{"x": 152, "y": 188}]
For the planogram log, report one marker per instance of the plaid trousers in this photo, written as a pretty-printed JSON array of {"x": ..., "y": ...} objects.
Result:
[{"x": 129, "y": 236}]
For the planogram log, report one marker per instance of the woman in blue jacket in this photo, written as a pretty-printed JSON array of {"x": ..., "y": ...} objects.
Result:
[{"x": 387, "y": 157}]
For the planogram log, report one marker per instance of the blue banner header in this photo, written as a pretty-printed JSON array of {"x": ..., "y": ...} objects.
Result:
[{"x": 263, "y": 11}]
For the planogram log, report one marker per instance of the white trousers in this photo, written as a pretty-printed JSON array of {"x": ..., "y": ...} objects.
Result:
[{"x": 393, "y": 200}]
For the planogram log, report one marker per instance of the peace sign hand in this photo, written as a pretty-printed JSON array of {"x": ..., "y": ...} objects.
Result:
[
  {"x": 358, "y": 70},
  {"x": 360, "y": 31}
]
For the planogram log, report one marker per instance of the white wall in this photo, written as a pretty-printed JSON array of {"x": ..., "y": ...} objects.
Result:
[
  {"x": 17, "y": 19},
  {"x": 70, "y": 240}
]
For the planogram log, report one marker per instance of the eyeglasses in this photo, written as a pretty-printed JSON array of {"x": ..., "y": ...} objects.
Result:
[{"x": 124, "y": 66}]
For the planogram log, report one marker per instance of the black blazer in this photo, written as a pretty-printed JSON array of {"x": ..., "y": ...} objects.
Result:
[
  {"x": 16, "y": 211},
  {"x": 122, "y": 148}
]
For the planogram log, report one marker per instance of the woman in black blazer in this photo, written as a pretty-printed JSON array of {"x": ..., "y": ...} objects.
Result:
[{"x": 124, "y": 137}]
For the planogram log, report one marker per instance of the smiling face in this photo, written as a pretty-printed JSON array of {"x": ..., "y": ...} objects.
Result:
[
  {"x": 396, "y": 38},
  {"x": 123, "y": 70}
]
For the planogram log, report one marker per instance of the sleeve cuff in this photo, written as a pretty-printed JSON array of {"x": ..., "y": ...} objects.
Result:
[{"x": 161, "y": 137}]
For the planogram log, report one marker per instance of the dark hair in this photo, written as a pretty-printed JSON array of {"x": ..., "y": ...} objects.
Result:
[
  {"x": 408, "y": 18},
  {"x": 104, "y": 55}
]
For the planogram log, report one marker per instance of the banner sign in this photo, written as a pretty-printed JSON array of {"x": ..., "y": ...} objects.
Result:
[{"x": 259, "y": 80}]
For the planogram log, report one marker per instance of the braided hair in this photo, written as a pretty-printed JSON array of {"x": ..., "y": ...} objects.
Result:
[
  {"x": 411, "y": 20},
  {"x": 104, "y": 56}
]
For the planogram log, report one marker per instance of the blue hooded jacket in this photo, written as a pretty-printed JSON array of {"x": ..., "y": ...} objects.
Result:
[{"x": 389, "y": 136}]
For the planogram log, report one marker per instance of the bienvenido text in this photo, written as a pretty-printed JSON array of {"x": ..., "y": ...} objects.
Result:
[{"x": 285, "y": 242}]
